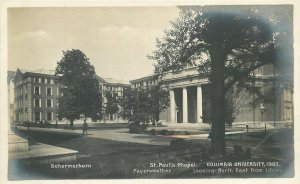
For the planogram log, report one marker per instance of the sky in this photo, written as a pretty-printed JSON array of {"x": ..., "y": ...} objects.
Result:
[{"x": 115, "y": 39}]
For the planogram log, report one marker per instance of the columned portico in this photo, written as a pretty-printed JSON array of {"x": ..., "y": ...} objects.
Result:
[
  {"x": 199, "y": 104},
  {"x": 172, "y": 106},
  {"x": 184, "y": 105}
]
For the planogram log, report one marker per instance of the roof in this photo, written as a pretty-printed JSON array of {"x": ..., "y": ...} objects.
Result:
[
  {"x": 150, "y": 76},
  {"x": 115, "y": 81},
  {"x": 38, "y": 71},
  {"x": 51, "y": 72}
]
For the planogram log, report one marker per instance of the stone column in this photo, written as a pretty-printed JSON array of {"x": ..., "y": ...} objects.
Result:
[
  {"x": 184, "y": 105},
  {"x": 172, "y": 106},
  {"x": 199, "y": 104}
]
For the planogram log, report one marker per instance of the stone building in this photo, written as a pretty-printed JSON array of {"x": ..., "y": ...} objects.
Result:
[
  {"x": 116, "y": 88},
  {"x": 36, "y": 95},
  {"x": 190, "y": 101}
]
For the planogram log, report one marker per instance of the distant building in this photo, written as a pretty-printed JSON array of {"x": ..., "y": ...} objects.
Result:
[
  {"x": 145, "y": 81},
  {"x": 190, "y": 101},
  {"x": 36, "y": 95},
  {"x": 116, "y": 88}
]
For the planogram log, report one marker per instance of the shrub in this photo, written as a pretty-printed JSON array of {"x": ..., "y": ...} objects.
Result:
[
  {"x": 164, "y": 132},
  {"x": 137, "y": 128},
  {"x": 152, "y": 131},
  {"x": 187, "y": 133}
]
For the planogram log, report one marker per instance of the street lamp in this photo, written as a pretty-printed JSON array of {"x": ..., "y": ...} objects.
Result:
[{"x": 262, "y": 110}]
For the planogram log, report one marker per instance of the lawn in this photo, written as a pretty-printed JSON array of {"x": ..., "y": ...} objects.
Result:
[{"x": 112, "y": 159}]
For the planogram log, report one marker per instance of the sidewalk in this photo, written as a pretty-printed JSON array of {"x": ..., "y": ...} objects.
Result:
[
  {"x": 122, "y": 134},
  {"x": 51, "y": 130}
]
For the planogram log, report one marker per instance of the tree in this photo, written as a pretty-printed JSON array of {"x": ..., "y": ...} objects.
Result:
[
  {"x": 236, "y": 98},
  {"x": 128, "y": 103},
  {"x": 236, "y": 41},
  {"x": 158, "y": 101},
  {"x": 149, "y": 101},
  {"x": 111, "y": 105},
  {"x": 80, "y": 87}
]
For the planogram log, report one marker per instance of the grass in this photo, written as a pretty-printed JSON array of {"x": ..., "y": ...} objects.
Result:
[{"x": 113, "y": 159}]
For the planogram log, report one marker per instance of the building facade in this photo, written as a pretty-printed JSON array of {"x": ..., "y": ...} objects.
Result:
[
  {"x": 36, "y": 95},
  {"x": 115, "y": 88},
  {"x": 190, "y": 100}
]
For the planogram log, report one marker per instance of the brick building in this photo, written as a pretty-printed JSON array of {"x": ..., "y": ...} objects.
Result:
[
  {"x": 36, "y": 95},
  {"x": 116, "y": 88}
]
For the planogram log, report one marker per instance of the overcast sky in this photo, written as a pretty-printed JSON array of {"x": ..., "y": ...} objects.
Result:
[{"x": 116, "y": 39}]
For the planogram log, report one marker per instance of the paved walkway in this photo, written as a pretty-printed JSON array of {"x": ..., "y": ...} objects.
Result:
[
  {"x": 51, "y": 130},
  {"x": 122, "y": 134}
]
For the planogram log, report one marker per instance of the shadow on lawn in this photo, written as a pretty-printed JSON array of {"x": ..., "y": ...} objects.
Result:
[{"x": 116, "y": 160}]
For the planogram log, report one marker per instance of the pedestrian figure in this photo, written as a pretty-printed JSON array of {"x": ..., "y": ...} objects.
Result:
[{"x": 84, "y": 128}]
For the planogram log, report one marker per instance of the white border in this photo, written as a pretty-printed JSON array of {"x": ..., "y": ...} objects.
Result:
[{"x": 90, "y": 3}]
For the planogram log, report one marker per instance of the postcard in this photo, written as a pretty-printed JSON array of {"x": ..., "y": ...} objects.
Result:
[{"x": 149, "y": 91}]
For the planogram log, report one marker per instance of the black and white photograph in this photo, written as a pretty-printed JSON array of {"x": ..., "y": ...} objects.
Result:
[{"x": 177, "y": 91}]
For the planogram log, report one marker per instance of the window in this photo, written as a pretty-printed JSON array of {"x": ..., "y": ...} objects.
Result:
[
  {"x": 49, "y": 91},
  {"x": 37, "y": 116},
  {"x": 36, "y": 79},
  {"x": 100, "y": 87},
  {"x": 49, "y": 103},
  {"x": 42, "y": 80},
  {"x": 37, "y": 102},
  {"x": 49, "y": 116},
  {"x": 288, "y": 113},
  {"x": 51, "y": 81},
  {"x": 37, "y": 90}
]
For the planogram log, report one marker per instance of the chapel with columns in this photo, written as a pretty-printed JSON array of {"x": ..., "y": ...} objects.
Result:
[
  {"x": 190, "y": 100},
  {"x": 188, "y": 95}
]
